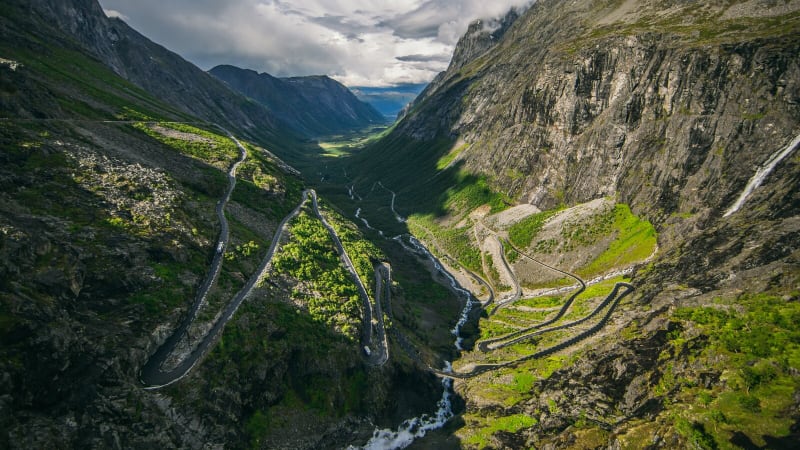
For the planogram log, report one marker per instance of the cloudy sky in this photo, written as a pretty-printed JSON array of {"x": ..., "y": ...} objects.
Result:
[{"x": 358, "y": 42}]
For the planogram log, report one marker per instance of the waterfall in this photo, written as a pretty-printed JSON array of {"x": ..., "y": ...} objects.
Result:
[
  {"x": 761, "y": 174},
  {"x": 417, "y": 427}
]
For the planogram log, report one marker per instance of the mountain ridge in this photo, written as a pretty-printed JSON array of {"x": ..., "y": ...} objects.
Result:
[
  {"x": 156, "y": 69},
  {"x": 313, "y": 105},
  {"x": 667, "y": 109}
]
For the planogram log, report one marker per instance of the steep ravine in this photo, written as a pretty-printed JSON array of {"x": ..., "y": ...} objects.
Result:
[{"x": 670, "y": 108}]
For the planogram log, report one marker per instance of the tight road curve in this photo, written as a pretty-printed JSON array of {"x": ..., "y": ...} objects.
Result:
[
  {"x": 153, "y": 375},
  {"x": 373, "y": 333},
  {"x": 609, "y": 303}
]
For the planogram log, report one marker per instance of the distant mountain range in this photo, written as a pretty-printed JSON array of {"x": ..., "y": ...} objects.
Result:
[
  {"x": 389, "y": 101},
  {"x": 312, "y": 106}
]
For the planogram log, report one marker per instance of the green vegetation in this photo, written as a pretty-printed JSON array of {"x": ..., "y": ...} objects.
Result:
[
  {"x": 259, "y": 340},
  {"x": 591, "y": 231},
  {"x": 540, "y": 302},
  {"x": 79, "y": 85},
  {"x": 344, "y": 145},
  {"x": 260, "y": 170},
  {"x": 414, "y": 169},
  {"x": 448, "y": 158},
  {"x": 631, "y": 238},
  {"x": 469, "y": 192},
  {"x": 510, "y": 387},
  {"x": 603, "y": 288},
  {"x": 257, "y": 427},
  {"x": 64, "y": 191},
  {"x": 458, "y": 243},
  {"x": 511, "y": 424},
  {"x": 212, "y": 148},
  {"x": 311, "y": 257},
  {"x": 493, "y": 328},
  {"x": 241, "y": 251},
  {"x": 362, "y": 252},
  {"x": 754, "y": 344},
  {"x": 635, "y": 241},
  {"x": 263, "y": 185},
  {"x": 519, "y": 317},
  {"x": 523, "y": 232},
  {"x": 168, "y": 292}
]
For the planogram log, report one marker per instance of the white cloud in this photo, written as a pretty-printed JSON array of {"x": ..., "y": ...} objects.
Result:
[
  {"x": 112, "y": 14},
  {"x": 358, "y": 42}
]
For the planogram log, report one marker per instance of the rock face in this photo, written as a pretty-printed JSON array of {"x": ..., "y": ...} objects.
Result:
[
  {"x": 313, "y": 106},
  {"x": 652, "y": 103},
  {"x": 669, "y": 107},
  {"x": 155, "y": 69},
  {"x": 481, "y": 36}
]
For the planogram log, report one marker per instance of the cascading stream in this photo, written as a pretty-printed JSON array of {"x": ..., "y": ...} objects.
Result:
[
  {"x": 418, "y": 427},
  {"x": 762, "y": 174}
]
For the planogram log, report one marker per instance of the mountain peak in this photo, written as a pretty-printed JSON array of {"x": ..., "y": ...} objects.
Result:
[
  {"x": 481, "y": 35},
  {"x": 314, "y": 105}
]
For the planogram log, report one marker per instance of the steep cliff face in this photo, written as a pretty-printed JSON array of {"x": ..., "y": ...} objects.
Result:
[
  {"x": 671, "y": 108},
  {"x": 655, "y": 103},
  {"x": 155, "y": 69},
  {"x": 481, "y": 36},
  {"x": 313, "y": 106}
]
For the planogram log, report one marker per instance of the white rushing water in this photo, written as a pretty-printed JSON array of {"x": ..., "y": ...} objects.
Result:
[
  {"x": 761, "y": 174},
  {"x": 414, "y": 428},
  {"x": 417, "y": 427},
  {"x": 454, "y": 285},
  {"x": 397, "y": 216},
  {"x": 366, "y": 224}
]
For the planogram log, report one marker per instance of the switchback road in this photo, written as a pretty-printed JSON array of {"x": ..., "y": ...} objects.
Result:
[
  {"x": 153, "y": 375},
  {"x": 373, "y": 326}
]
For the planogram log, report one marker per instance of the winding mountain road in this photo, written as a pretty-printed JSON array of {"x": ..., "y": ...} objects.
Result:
[
  {"x": 517, "y": 294},
  {"x": 153, "y": 375},
  {"x": 609, "y": 303},
  {"x": 612, "y": 300},
  {"x": 383, "y": 295},
  {"x": 373, "y": 316},
  {"x": 486, "y": 345}
]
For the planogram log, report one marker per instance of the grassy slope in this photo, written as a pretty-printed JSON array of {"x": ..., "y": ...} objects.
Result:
[
  {"x": 632, "y": 239},
  {"x": 75, "y": 92}
]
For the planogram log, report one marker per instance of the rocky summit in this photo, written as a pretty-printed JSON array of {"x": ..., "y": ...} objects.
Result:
[{"x": 584, "y": 233}]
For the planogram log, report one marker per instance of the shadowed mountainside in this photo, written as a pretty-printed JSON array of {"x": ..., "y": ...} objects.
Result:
[{"x": 314, "y": 106}]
